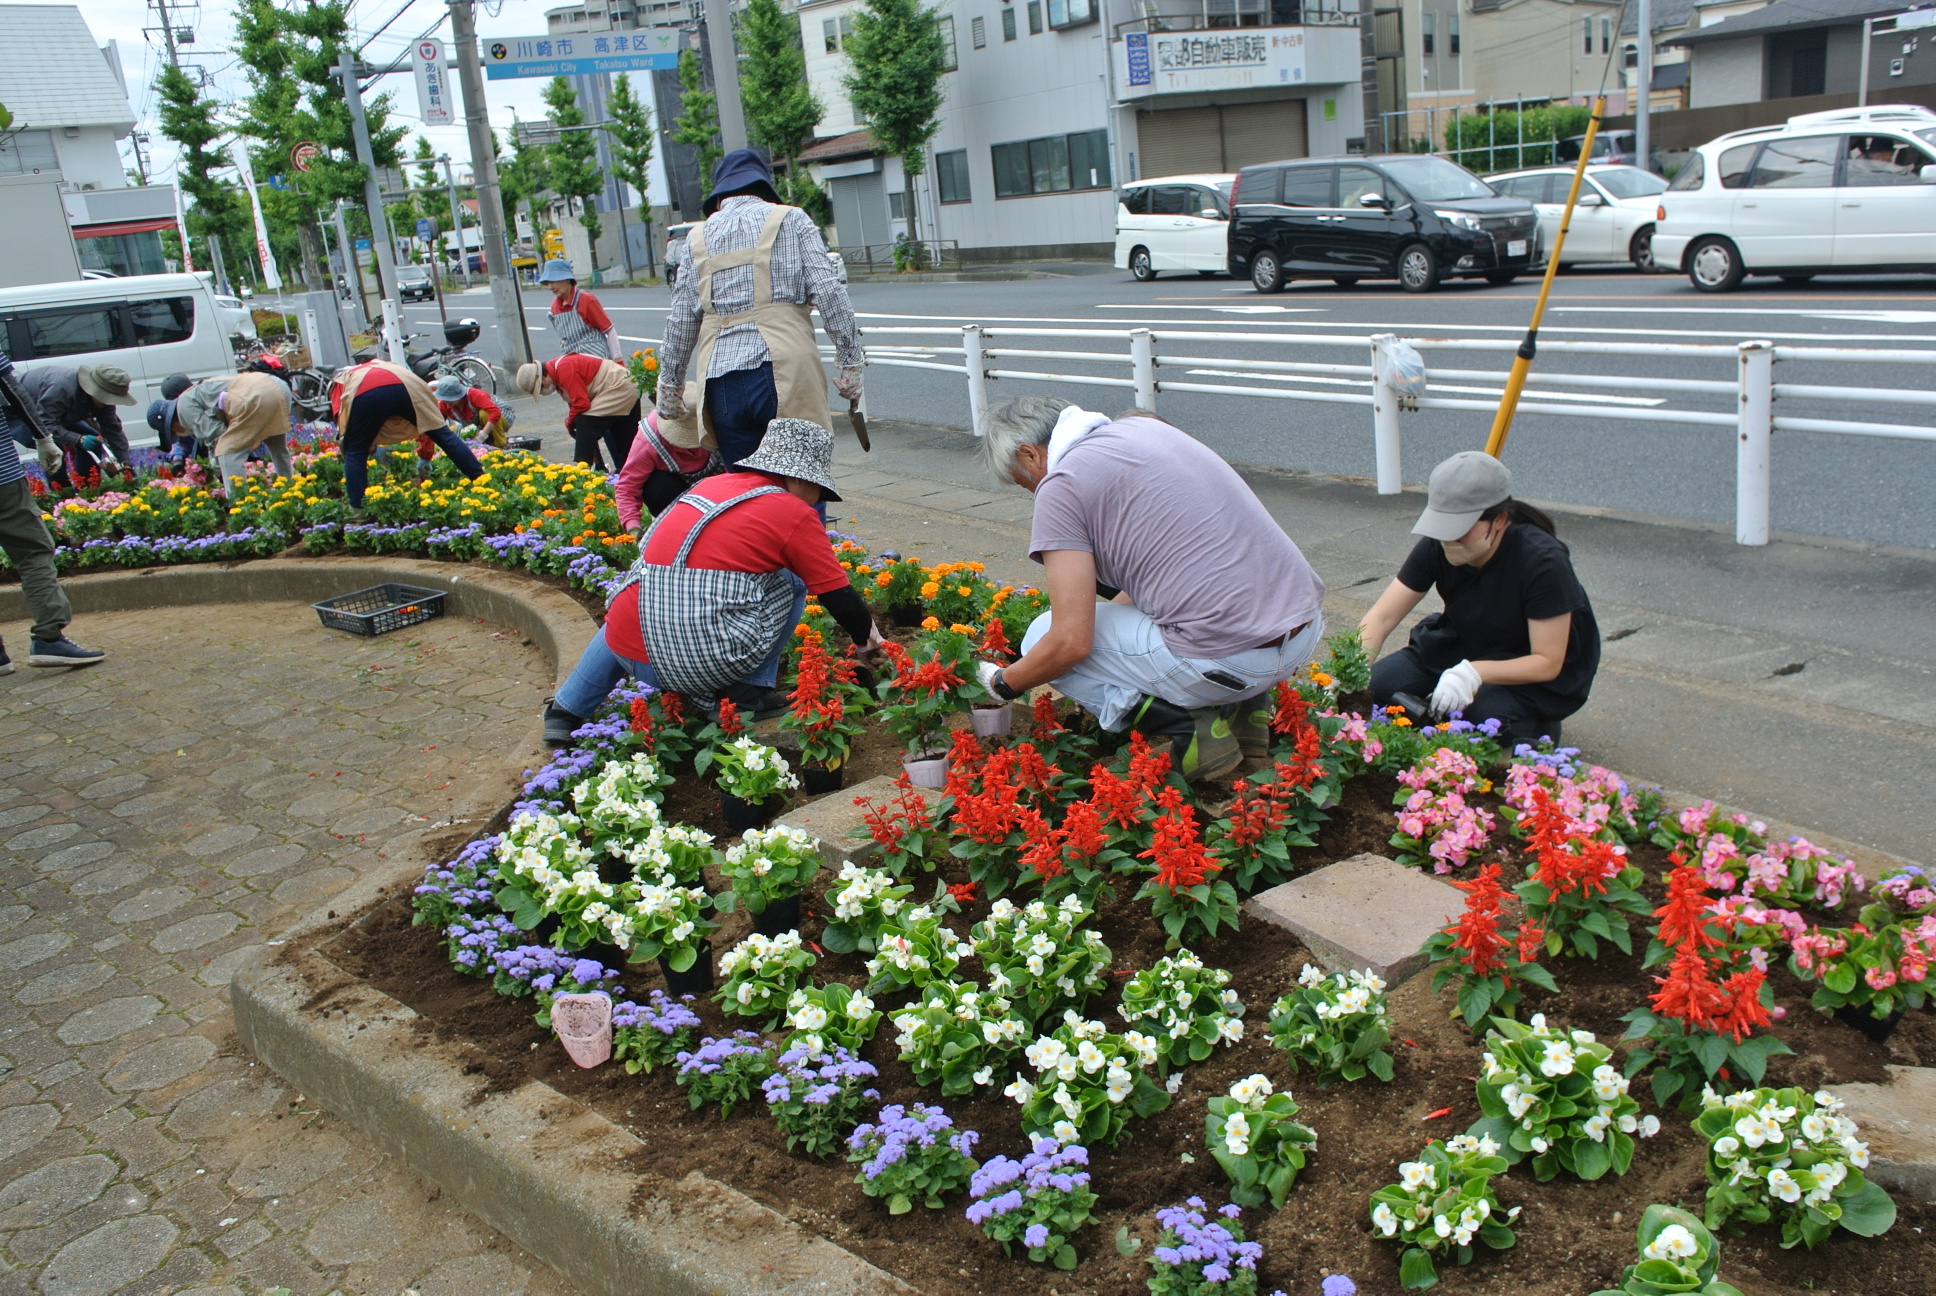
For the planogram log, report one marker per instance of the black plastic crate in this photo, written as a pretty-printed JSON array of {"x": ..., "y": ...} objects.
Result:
[
  {"x": 524, "y": 443},
  {"x": 380, "y": 609}
]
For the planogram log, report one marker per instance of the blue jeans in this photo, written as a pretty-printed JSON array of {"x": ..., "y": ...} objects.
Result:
[
  {"x": 599, "y": 669},
  {"x": 739, "y": 405},
  {"x": 368, "y": 412},
  {"x": 1128, "y": 659}
]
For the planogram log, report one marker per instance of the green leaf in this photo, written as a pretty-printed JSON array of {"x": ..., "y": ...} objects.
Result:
[
  {"x": 839, "y": 938},
  {"x": 1590, "y": 1160},
  {"x": 1474, "y": 999},
  {"x": 1710, "y": 1050},
  {"x": 1415, "y": 1271},
  {"x": 899, "y": 1204},
  {"x": 1666, "y": 1085},
  {"x": 1126, "y": 1243},
  {"x": 1380, "y": 1064},
  {"x": 1867, "y": 1212},
  {"x": 682, "y": 959},
  {"x": 1534, "y": 974},
  {"x": 1065, "y": 1256}
]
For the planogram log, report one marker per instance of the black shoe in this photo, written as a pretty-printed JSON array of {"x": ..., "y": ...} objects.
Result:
[
  {"x": 61, "y": 652},
  {"x": 1202, "y": 746},
  {"x": 6, "y": 662},
  {"x": 756, "y": 704},
  {"x": 559, "y": 724}
]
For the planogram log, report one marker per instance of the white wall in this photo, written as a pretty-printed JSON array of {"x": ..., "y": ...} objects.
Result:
[
  {"x": 1726, "y": 72},
  {"x": 91, "y": 157}
]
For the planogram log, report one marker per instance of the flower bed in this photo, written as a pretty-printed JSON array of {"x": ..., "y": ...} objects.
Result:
[{"x": 1111, "y": 1001}]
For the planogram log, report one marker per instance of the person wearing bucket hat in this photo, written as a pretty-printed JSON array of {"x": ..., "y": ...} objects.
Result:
[
  {"x": 722, "y": 579},
  {"x": 1516, "y": 646},
  {"x": 24, "y": 537},
  {"x": 80, "y": 403},
  {"x": 161, "y": 414},
  {"x": 601, "y": 403},
  {"x": 577, "y": 317},
  {"x": 470, "y": 407},
  {"x": 742, "y": 319}
]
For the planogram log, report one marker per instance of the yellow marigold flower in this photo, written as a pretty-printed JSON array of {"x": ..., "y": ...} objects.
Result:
[
  {"x": 930, "y": 589},
  {"x": 930, "y": 623},
  {"x": 883, "y": 580},
  {"x": 976, "y": 568},
  {"x": 959, "y": 628},
  {"x": 1321, "y": 679},
  {"x": 963, "y": 590}
]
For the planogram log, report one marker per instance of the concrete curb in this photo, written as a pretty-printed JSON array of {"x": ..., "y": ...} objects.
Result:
[
  {"x": 551, "y": 619},
  {"x": 547, "y": 1172}
]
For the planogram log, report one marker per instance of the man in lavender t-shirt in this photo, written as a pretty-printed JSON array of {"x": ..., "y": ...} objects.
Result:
[{"x": 1216, "y": 604}]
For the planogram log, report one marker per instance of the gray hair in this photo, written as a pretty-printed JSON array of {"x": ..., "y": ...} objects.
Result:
[{"x": 1016, "y": 422}]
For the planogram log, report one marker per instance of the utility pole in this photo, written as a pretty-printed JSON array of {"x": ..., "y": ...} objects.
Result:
[
  {"x": 456, "y": 223},
  {"x": 352, "y": 268},
  {"x": 1644, "y": 75},
  {"x": 168, "y": 32},
  {"x": 724, "y": 56},
  {"x": 380, "y": 241},
  {"x": 505, "y": 297}
]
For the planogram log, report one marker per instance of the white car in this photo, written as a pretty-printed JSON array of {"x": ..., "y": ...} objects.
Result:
[
  {"x": 236, "y": 319},
  {"x": 1851, "y": 191},
  {"x": 1173, "y": 223},
  {"x": 1613, "y": 221}
]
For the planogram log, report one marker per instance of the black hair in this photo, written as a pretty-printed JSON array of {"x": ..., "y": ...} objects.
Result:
[{"x": 1520, "y": 511}]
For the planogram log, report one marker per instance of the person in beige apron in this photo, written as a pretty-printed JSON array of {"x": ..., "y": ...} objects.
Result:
[
  {"x": 382, "y": 404},
  {"x": 234, "y": 416},
  {"x": 742, "y": 320}
]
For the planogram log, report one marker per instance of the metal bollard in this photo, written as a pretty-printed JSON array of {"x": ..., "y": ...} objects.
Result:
[
  {"x": 1386, "y": 446},
  {"x": 977, "y": 369},
  {"x": 1142, "y": 366},
  {"x": 393, "y": 331},
  {"x": 1754, "y": 442}
]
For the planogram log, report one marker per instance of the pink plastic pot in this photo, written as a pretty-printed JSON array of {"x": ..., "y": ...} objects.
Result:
[{"x": 992, "y": 722}]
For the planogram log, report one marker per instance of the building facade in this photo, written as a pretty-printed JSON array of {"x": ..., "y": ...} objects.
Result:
[{"x": 1796, "y": 49}]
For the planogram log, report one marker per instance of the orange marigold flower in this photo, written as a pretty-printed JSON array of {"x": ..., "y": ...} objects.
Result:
[{"x": 930, "y": 623}]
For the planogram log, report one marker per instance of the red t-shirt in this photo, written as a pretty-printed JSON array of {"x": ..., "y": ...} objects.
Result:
[
  {"x": 587, "y": 307},
  {"x": 760, "y": 535},
  {"x": 574, "y": 373},
  {"x": 369, "y": 378},
  {"x": 477, "y": 402}
]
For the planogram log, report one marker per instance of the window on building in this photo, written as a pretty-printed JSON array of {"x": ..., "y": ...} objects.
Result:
[
  {"x": 978, "y": 32},
  {"x": 1071, "y": 13},
  {"x": 832, "y": 33},
  {"x": 1054, "y": 164},
  {"x": 1452, "y": 33},
  {"x": 951, "y": 175},
  {"x": 897, "y": 205},
  {"x": 1586, "y": 28},
  {"x": 163, "y": 319},
  {"x": 28, "y": 151},
  {"x": 1035, "y": 17},
  {"x": 1008, "y": 24},
  {"x": 950, "y": 53},
  {"x": 1428, "y": 33},
  {"x": 1606, "y": 35},
  {"x": 77, "y": 332}
]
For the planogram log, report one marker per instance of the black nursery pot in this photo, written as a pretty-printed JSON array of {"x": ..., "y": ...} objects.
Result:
[
  {"x": 907, "y": 615},
  {"x": 695, "y": 980},
  {"x": 605, "y": 952},
  {"x": 743, "y": 815},
  {"x": 782, "y": 915},
  {"x": 818, "y": 780},
  {"x": 1876, "y": 1028}
]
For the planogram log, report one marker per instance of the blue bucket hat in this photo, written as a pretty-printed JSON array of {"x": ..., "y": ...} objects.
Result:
[
  {"x": 556, "y": 270},
  {"x": 161, "y": 415},
  {"x": 741, "y": 172}
]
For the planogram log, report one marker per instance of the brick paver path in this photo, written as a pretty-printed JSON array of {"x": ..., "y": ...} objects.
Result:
[{"x": 163, "y": 817}]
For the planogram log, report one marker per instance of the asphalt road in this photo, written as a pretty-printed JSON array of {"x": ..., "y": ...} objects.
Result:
[{"x": 1857, "y": 488}]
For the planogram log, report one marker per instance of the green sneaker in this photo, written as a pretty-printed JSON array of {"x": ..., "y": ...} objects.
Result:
[
  {"x": 1250, "y": 723},
  {"x": 1201, "y": 742}
]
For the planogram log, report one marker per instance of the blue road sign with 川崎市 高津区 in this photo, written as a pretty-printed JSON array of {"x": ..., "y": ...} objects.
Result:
[{"x": 508, "y": 57}]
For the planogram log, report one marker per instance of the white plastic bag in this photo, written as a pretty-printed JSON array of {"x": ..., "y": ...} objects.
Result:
[{"x": 1400, "y": 367}]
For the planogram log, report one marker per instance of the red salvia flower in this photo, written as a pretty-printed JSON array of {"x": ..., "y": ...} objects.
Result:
[
  {"x": 1119, "y": 800},
  {"x": 1531, "y": 937},
  {"x": 1147, "y": 768},
  {"x": 1744, "y": 1011},
  {"x": 994, "y": 641},
  {"x": 1476, "y": 934},
  {"x": 1182, "y": 861},
  {"x": 963, "y": 892},
  {"x": 1043, "y": 853},
  {"x": 1254, "y": 816},
  {"x": 729, "y": 722},
  {"x": 642, "y": 719},
  {"x": 1032, "y": 771},
  {"x": 1687, "y": 993},
  {"x": 1683, "y": 917},
  {"x": 1288, "y": 718},
  {"x": 1082, "y": 830},
  {"x": 1548, "y": 825},
  {"x": 1046, "y": 722},
  {"x": 674, "y": 706}
]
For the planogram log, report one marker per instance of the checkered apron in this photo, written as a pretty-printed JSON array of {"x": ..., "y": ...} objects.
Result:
[
  {"x": 714, "y": 464},
  {"x": 707, "y": 629},
  {"x": 575, "y": 336}
]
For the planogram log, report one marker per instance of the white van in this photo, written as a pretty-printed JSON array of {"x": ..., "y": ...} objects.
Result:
[
  {"x": 1847, "y": 191},
  {"x": 1173, "y": 223},
  {"x": 150, "y": 325}
]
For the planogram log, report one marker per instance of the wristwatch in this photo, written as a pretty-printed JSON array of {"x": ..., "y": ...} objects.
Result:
[{"x": 999, "y": 686}]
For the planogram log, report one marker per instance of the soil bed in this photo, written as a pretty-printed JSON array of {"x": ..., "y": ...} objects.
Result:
[{"x": 1574, "y": 1237}]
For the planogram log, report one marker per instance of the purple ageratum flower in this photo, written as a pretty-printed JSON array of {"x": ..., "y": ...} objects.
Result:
[
  {"x": 1036, "y": 1235},
  {"x": 1339, "y": 1285},
  {"x": 1216, "y": 1271}
]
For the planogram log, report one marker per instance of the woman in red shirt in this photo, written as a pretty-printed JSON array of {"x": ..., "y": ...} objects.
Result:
[
  {"x": 601, "y": 403},
  {"x": 582, "y": 326},
  {"x": 723, "y": 580},
  {"x": 473, "y": 407}
]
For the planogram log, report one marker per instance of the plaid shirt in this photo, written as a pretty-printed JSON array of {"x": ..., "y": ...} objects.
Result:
[{"x": 801, "y": 273}]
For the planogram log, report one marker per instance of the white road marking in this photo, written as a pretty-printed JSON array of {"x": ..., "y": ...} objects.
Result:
[
  {"x": 1532, "y": 392},
  {"x": 1233, "y": 310},
  {"x": 1817, "y": 312}
]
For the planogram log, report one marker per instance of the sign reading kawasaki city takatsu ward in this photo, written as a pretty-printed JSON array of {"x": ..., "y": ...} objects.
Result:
[
  {"x": 1150, "y": 63},
  {"x": 510, "y": 57}
]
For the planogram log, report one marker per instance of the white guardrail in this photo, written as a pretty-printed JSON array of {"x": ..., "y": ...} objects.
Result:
[{"x": 1753, "y": 388}]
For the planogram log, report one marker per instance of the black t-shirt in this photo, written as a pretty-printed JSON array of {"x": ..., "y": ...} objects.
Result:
[{"x": 1530, "y": 578}]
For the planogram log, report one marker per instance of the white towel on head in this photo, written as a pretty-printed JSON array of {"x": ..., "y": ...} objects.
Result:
[{"x": 1074, "y": 424}]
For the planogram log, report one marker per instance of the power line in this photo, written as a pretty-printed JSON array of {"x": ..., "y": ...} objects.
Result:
[{"x": 386, "y": 25}]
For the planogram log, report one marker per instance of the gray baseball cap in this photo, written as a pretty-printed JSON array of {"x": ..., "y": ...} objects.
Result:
[{"x": 1460, "y": 489}]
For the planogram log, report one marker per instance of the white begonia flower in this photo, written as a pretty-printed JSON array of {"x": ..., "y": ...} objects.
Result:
[
  {"x": 808, "y": 1017},
  {"x": 1558, "y": 1059},
  {"x": 985, "y": 1075},
  {"x": 1725, "y": 1147},
  {"x": 1672, "y": 1243},
  {"x": 1311, "y": 975},
  {"x": 1118, "y": 1084},
  {"x": 1236, "y": 1134},
  {"x": 811, "y": 1042},
  {"x": 1518, "y": 1101},
  {"x": 1066, "y": 1101},
  {"x": 1414, "y": 1175},
  {"x": 745, "y": 993},
  {"x": 1814, "y": 1127},
  {"x": 1251, "y": 1089},
  {"x": 1488, "y": 1146},
  {"x": 1022, "y": 1091},
  {"x": 1089, "y": 1057},
  {"x": 860, "y": 1007},
  {"x": 1174, "y": 1083},
  {"x": 1627, "y": 1122},
  {"x": 1231, "y": 1029},
  {"x": 1756, "y": 1130},
  {"x": 1608, "y": 1084},
  {"x": 1494, "y": 1071},
  {"x": 1649, "y": 1125},
  {"x": 1384, "y": 1220},
  {"x": 1596, "y": 1128},
  {"x": 1858, "y": 1152},
  {"x": 1582, "y": 1038},
  {"x": 1537, "y": 1021},
  {"x": 1065, "y": 1132},
  {"x": 1539, "y": 1144},
  {"x": 1783, "y": 1185},
  {"x": 1830, "y": 1174},
  {"x": 1441, "y": 1226}
]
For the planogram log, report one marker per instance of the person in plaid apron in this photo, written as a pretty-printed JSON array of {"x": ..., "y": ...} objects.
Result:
[
  {"x": 577, "y": 317},
  {"x": 721, "y": 582}
]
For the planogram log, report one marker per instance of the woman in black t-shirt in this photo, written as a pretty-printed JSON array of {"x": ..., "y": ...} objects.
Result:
[{"x": 1517, "y": 641}]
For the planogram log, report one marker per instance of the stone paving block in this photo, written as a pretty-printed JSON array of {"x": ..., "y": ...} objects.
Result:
[
  {"x": 110, "y": 1257},
  {"x": 1898, "y": 1121},
  {"x": 831, "y": 818},
  {"x": 1363, "y": 912}
]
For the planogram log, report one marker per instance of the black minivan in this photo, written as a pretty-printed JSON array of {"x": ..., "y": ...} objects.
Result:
[{"x": 1409, "y": 216}]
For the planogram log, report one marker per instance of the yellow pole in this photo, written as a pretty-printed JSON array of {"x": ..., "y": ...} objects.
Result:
[{"x": 1523, "y": 360}]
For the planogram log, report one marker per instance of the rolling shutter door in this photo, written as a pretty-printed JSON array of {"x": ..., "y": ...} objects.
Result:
[
  {"x": 1189, "y": 141},
  {"x": 1263, "y": 132},
  {"x": 1182, "y": 141}
]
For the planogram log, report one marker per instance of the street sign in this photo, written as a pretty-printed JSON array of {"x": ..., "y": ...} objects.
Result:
[
  {"x": 538, "y": 133},
  {"x": 303, "y": 154},
  {"x": 279, "y": 182},
  {"x": 510, "y": 57},
  {"x": 433, "y": 87},
  {"x": 426, "y": 229},
  {"x": 362, "y": 245}
]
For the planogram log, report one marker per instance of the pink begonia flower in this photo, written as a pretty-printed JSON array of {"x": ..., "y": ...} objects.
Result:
[
  {"x": 1879, "y": 978},
  {"x": 1694, "y": 819}
]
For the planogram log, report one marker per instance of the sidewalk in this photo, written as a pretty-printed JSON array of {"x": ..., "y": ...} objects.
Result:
[{"x": 1797, "y": 682}]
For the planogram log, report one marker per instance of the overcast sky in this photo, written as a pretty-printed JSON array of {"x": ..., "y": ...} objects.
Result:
[{"x": 142, "y": 57}]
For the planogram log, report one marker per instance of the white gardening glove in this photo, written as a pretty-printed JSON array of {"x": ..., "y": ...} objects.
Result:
[
  {"x": 50, "y": 454},
  {"x": 986, "y": 673},
  {"x": 672, "y": 402},
  {"x": 1456, "y": 689},
  {"x": 847, "y": 382}
]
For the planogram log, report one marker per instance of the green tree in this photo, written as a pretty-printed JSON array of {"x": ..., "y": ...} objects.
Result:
[
  {"x": 897, "y": 55},
  {"x": 572, "y": 163},
  {"x": 781, "y": 110},
  {"x": 698, "y": 124},
  {"x": 430, "y": 199},
  {"x": 191, "y": 120},
  {"x": 631, "y": 132}
]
